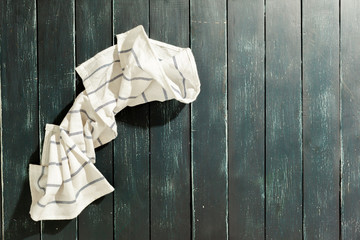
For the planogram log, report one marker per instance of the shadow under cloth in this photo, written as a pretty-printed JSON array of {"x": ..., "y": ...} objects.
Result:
[{"x": 136, "y": 70}]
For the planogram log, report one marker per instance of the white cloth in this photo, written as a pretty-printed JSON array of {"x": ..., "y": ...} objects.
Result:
[{"x": 134, "y": 71}]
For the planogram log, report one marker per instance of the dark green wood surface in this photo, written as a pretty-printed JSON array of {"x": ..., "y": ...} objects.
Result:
[
  {"x": 270, "y": 149},
  {"x": 321, "y": 119},
  {"x": 246, "y": 119},
  {"x": 56, "y": 82},
  {"x": 94, "y": 33},
  {"x": 20, "y": 116},
  {"x": 283, "y": 141},
  {"x": 170, "y": 194},
  {"x": 350, "y": 119},
  {"x": 131, "y": 147},
  {"x": 209, "y": 121}
]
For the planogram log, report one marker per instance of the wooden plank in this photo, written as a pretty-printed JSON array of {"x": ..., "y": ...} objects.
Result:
[
  {"x": 56, "y": 83},
  {"x": 350, "y": 116},
  {"x": 131, "y": 147},
  {"x": 170, "y": 135},
  {"x": 246, "y": 119},
  {"x": 1, "y": 140},
  {"x": 283, "y": 120},
  {"x": 94, "y": 34},
  {"x": 209, "y": 121},
  {"x": 19, "y": 116},
  {"x": 321, "y": 119}
]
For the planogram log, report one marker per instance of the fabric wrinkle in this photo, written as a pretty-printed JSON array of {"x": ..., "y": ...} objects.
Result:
[{"x": 135, "y": 71}]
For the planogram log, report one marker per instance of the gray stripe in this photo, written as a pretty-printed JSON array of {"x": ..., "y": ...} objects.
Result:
[
  {"x": 83, "y": 111},
  {"x": 90, "y": 183},
  {"x": 183, "y": 78},
  {"x": 79, "y": 169},
  {"x": 136, "y": 59},
  {"x": 165, "y": 94},
  {"x": 75, "y": 133},
  {"x": 92, "y": 129},
  {"x": 125, "y": 51},
  {"x": 40, "y": 204},
  {"x": 88, "y": 137},
  {"x": 105, "y": 65},
  {"x": 69, "y": 150},
  {"x": 76, "y": 195},
  {"x": 38, "y": 181},
  {"x": 137, "y": 78},
  {"x": 184, "y": 88},
  {"x": 99, "y": 141},
  {"x": 112, "y": 124},
  {"x": 62, "y": 129},
  {"x": 57, "y": 143},
  {"x": 53, "y": 185},
  {"x": 55, "y": 163},
  {"x": 67, "y": 180},
  {"x": 64, "y": 158},
  {"x": 102, "y": 85},
  {"x": 176, "y": 90},
  {"x": 175, "y": 63},
  {"x": 105, "y": 104},
  {"x": 126, "y": 98},
  {"x": 144, "y": 97}
]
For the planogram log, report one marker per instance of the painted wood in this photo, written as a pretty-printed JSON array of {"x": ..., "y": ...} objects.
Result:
[
  {"x": 321, "y": 119},
  {"x": 20, "y": 116},
  {"x": 1, "y": 139},
  {"x": 56, "y": 61},
  {"x": 131, "y": 147},
  {"x": 94, "y": 34},
  {"x": 209, "y": 121},
  {"x": 350, "y": 115},
  {"x": 246, "y": 119},
  {"x": 174, "y": 175},
  {"x": 283, "y": 141},
  {"x": 170, "y": 135}
]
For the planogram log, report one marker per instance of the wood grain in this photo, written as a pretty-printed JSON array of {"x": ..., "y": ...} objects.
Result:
[
  {"x": 94, "y": 34},
  {"x": 131, "y": 147},
  {"x": 246, "y": 112},
  {"x": 283, "y": 120},
  {"x": 209, "y": 121},
  {"x": 321, "y": 119},
  {"x": 350, "y": 116},
  {"x": 270, "y": 149},
  {"x": 170, "y": 135},
  {"x": 20, "y": 116},
  {"x": 56, "y": 61}
]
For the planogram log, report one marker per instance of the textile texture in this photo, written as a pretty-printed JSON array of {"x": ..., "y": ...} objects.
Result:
[{"x": 136, "y": 70}]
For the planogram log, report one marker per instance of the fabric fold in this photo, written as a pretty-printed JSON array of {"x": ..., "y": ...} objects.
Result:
[{"x": 136, "y": 70}]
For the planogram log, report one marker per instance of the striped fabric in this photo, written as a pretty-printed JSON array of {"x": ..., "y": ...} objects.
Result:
[{"x": 135, "y": 71}]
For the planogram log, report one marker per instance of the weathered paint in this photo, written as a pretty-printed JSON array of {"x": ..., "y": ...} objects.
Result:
[
  {"x": 131, "y": 147},
  {"x": 321, "y": 119},
  {"x": 209, "y": 121},
  {"x": 56, "y": 86},
  {"x": 170, "y": 135},
  {"x": 246, "y": 55},
  {"x": 93, "y": 34},
  {"x": 177, "y": 169},
  {"x": 19, "y": 116},
  {"x": 350, "y": 119},
  {"x": 283, "y": 120}
]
